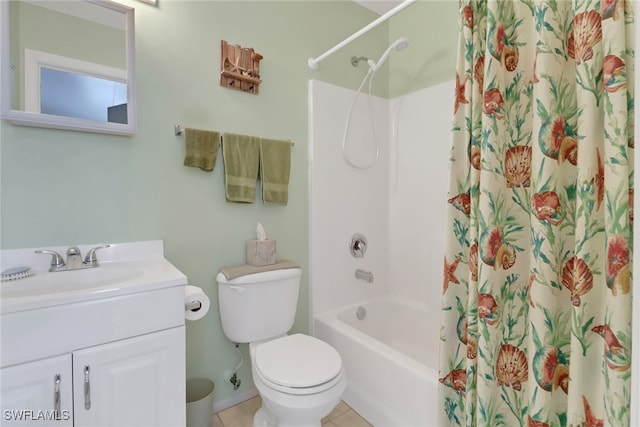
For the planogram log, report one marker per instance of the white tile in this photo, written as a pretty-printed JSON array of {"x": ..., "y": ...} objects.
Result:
[
  {"x": 340, "y": 408},
  {"x": 240, "y": 415},
  {"x": 350, "y": 419},
  {"x": 217, "y": 422}
]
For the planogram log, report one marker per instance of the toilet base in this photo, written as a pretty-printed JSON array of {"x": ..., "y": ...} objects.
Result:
[
  {"x": 283, "y": 410},
  {"x": 265, "y": 418}
]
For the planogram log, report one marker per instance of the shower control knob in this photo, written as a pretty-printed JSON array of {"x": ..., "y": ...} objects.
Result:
[{"x": 358, "y": 245}]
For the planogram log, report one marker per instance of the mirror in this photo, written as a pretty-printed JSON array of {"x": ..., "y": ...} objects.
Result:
[{"x": 68, "y": 64}]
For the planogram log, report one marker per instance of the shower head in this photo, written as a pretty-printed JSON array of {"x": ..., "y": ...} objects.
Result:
[
  {"x": 398, "y": 45},
  {"x": 401, "y": 44}
]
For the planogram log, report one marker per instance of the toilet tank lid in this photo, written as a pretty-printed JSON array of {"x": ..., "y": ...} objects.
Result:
[{"x": 253, "y": 274}]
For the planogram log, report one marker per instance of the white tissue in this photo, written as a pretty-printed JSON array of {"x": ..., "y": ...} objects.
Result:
[
  {"x": 192, "y": 294},
  {"x": 260, "y": 232}
]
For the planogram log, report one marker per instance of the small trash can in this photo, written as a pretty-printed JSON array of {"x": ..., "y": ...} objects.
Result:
[{"x": 199, "y": 402}]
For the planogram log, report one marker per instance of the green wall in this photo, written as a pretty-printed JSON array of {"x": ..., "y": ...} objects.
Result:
[
  {"x": 63, "y": 188},
  {"x": 42, "y": 29},
  {"x": 431, "y": 27},
  {"x": 55, "y": 32}
]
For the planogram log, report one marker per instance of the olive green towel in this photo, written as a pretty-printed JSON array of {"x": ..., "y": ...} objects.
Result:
[
  {"x": 241, "y": 155},
  {"x": 201, "y": 148},
  {"x": 275, "y": 168}
]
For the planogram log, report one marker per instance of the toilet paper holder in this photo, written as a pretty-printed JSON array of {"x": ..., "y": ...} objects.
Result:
[
  {"x": 193, "y": 306},
  {"x": 196, "y": 303}
]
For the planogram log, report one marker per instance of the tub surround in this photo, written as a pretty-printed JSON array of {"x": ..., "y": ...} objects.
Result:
[
  {"x": 404, "y": 230},
  {"x": 404, "y": 233},
  {"x": 344, "y": 200},
  {"x": 419, "y": 159}
]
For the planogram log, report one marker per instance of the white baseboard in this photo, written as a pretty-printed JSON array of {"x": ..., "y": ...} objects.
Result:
[{"x": 238, "y": 398}]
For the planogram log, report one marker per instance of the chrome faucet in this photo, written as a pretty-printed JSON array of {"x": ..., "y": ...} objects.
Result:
[
  {"x": 74, "y": 259},
  {"x": 364, "y": 275}
]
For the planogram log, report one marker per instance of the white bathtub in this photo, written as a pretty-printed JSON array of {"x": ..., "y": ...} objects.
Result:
[{"x": 390, "y": 358}]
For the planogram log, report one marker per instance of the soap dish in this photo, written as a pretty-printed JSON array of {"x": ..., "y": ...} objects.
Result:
[{"x": 16, "y": 273}]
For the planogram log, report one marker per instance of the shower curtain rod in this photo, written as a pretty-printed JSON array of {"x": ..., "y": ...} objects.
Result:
[{"x": 313, "y": 62}]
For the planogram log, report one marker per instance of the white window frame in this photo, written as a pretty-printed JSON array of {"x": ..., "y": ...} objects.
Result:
[{"x": 34, "y": 60}]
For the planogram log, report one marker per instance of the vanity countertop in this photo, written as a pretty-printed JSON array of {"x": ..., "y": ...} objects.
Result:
[{"x": 125, "y": 268}]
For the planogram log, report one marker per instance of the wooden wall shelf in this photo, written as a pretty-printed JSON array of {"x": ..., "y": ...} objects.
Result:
[{"x": 239, "y": 68}]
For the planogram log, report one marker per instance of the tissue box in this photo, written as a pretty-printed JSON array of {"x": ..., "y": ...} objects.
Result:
[{"x": 261, "y": 252}]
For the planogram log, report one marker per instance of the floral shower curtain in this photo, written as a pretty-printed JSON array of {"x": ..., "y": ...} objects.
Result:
[{"x": 536, "y": 305}]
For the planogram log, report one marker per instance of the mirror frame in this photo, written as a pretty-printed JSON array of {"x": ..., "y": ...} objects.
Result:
[{"x": 25, "y": 118}]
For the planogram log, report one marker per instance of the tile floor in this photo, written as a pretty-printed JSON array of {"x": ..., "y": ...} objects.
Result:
[{"x": 241, "y": 415}]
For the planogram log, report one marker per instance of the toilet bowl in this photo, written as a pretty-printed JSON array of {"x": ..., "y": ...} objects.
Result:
[
  {"x": 299, "y": 377},
  {"x": 300, "y": 380}
]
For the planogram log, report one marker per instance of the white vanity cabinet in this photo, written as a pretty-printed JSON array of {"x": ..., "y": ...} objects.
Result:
[
  {"x": 131, "y": 382},
  {"x": 32, "y": 392},
  {"x": 112, "y": 355}
]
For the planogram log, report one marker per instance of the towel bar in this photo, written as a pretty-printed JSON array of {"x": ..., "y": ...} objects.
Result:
[{"x": 179, "y": 130}]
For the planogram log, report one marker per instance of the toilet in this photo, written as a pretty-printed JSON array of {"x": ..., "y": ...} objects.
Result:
[{"x": 300, "y": 378}]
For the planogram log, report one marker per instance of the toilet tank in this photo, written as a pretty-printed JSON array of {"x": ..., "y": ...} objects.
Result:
[{"x": 258, "y": 306}]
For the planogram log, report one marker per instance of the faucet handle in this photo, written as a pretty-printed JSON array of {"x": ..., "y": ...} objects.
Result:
[
  {"x": 56, "y": 260},
  {"x": 358, "y": 245},
  {"x": 91, "y": 258}
]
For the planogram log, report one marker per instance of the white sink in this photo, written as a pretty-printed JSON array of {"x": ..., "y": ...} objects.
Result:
[
  {"x": 124, "y": 269},
  {"x": 88, "y": 279}
]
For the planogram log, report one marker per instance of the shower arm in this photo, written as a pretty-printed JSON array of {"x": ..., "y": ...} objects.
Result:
[
  {"x": 355, "y": 60},
  {"x": 313, "y": 62}
]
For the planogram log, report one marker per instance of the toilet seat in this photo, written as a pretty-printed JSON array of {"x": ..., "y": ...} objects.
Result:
[{"x": 298, "y": 364}]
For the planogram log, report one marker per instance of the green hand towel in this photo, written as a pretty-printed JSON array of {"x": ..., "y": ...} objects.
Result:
[
  {"x": 202, "y": 148},
  {"x": 241, "y": 155},
  {"x": 275, "y": 167}
]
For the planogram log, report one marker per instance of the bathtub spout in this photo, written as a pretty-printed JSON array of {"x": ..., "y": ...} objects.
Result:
[{"x": 364, "y": 275}]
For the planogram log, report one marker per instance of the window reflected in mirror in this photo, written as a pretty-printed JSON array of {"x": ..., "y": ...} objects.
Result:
[{"x": 71, "y": 60}]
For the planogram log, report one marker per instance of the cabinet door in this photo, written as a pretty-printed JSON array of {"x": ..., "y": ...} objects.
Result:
[
  {"x": 135, "y": 382},
  {"x": 36, "y": 393}
]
